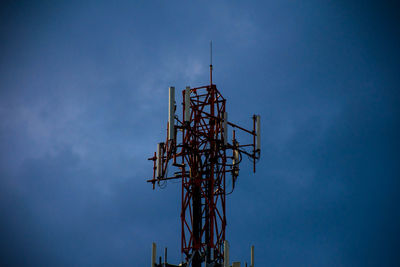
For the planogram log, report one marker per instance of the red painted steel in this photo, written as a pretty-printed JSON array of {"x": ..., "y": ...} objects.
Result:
[{"x": 201, "y": 158}]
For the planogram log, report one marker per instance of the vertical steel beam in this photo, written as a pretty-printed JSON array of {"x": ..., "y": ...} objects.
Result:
[
  {"x": 252, "y": 257},
  {"x": 153, "y": 254},
  {"x": 258, "y": 132}
]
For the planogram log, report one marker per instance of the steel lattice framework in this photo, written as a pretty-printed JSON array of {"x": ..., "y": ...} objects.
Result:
[{"x": 197, "y": 147}]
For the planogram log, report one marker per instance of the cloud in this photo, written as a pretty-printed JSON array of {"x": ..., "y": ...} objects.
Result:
[{"x": 84, "y": 102}]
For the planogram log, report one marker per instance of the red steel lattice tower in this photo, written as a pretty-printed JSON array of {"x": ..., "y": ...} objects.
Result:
[{"x": 197, "y": 147}]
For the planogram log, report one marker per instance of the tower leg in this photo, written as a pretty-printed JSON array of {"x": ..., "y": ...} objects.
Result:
[
  {"x": 196, "y": 226},
  {"x": 153, "y": 254},
  {"x": 252, "y": 257}
]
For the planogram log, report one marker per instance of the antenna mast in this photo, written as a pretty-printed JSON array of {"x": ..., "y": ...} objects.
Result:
[
  {"x": 197, "y": 147},
  {"x": 211, "y": 66}
]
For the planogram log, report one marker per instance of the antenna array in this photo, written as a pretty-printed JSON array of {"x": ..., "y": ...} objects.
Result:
[{"x": 197, "y": 147}]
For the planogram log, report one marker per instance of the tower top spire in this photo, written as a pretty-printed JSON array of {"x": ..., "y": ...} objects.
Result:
[{"x": 211, "y": 65}]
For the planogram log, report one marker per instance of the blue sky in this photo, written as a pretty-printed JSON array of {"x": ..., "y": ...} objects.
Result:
[{"x": 83, "y": 102}]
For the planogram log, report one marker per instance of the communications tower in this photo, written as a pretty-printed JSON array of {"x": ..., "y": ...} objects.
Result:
[{"x": 198, "y": 149}]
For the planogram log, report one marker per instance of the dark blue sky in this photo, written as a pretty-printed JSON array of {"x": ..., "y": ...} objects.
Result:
[{"x": 83, "y": 102}]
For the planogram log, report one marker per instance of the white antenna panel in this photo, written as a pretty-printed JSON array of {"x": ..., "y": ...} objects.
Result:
[
  {"x": 159, "y": 159},
  {"x": 171, "y": 113},
  {"x": 225, "y": 127},
  {"x": 235, "y": 159},
  {"x": 258, "y": 144},
  {"x": 187, "y": 103},
  {"x": 226, "y": 254}
]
